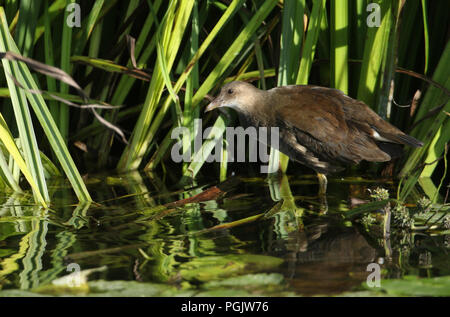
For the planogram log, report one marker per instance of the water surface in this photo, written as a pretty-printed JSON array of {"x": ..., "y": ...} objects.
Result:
[{"x": 247, "y": 236}]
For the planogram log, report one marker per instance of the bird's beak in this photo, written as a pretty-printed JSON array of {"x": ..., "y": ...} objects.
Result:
[{"x": 213, "y": 105}]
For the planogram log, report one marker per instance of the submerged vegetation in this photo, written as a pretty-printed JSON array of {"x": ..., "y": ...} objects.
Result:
[{"x": 79, "y": 101}]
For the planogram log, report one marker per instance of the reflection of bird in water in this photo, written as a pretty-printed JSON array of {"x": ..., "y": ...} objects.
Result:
[{"x": 321, "y": 261}]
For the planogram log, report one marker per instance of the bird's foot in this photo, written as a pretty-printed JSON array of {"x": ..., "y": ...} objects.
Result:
[{"x": 323, "y": 208}]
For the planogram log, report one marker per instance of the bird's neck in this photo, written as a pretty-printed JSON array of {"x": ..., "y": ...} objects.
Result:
[{"x": 257, "y": 110}]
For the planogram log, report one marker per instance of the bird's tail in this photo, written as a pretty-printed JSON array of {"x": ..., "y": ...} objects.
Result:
[{"x": 401, "y": 139}]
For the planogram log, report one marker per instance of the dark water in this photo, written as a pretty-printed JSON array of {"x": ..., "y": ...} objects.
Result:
[{"x": 150, "y": 230}]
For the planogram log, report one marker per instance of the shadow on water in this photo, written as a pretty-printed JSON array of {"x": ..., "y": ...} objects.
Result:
[{"x": 246, "y": 236}]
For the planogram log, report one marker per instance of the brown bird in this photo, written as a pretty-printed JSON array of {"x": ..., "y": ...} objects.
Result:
[{"x": 321, "y": 128}]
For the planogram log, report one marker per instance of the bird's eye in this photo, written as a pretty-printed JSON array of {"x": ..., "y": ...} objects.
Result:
[{"x": 230, "y": 91}]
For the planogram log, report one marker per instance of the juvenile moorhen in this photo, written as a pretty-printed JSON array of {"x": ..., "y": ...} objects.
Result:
[{"x": 318, "y": 127}]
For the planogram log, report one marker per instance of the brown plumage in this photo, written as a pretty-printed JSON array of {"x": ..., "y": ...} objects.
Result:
[{"x": 319, "y": 127}]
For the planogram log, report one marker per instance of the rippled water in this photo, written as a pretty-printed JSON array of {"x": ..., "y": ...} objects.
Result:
[{"x": 198, "y": 238}]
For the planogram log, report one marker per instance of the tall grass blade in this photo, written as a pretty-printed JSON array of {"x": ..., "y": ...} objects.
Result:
[
  {"x": 290, "y": 44},
  {"x": 374, "y": 56},
  {"x": 425, "y": 35},
  {"x": 45, "y": 119},
  {"x": 50, "y": 60},
  {"x": 435, "y": 136},
  {"x": 66, "y": 45},
  {"x": 8, "y": 141},
  {"x": 192, "y": 82},
  {"x": 309, "y": 48},
  {"x": 171, "y": 31},
  {"x": 88, "y": 26},
  {"x": 23, "y": 116},
  {"x": 339, "y": 45},
  {"x": 28, "y": 15}
]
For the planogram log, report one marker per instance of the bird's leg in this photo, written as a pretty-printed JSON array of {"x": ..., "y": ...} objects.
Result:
[
  {"x": 323, "y": 191},
  {"x": 322, "y": 184}
]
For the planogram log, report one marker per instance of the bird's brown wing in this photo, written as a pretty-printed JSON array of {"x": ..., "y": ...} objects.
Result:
[
  {"x": 359, "y": 114},
  {"x": 318, "y": 119}
]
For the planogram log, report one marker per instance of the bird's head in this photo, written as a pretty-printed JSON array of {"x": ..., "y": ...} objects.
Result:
[{"x": 238, "y": 95}]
